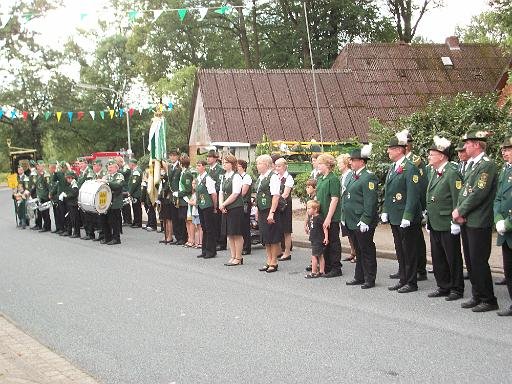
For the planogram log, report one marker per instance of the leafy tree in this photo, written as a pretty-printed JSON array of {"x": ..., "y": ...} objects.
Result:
[{"x": 408, "y": 14}]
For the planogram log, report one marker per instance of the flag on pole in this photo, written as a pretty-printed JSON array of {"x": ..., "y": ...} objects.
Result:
[
  {"x": 157, "y": 146},
  {"x": 202, "y": 13},
  {"x": 93, "y": 114},
  {"x": 111, "y": 111},
  {"x": 34, "y": 116},
  {"x": 59, "y": 115}
]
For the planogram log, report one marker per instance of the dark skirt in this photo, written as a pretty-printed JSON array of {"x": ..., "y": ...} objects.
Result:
[
  {"x": 317, "y": 249},
  {"x": 286, "y": 218},
  {"x": 165, "y": 211},
  {"x": 234, "y": 221},
  {"x": 269, "y": 233}
]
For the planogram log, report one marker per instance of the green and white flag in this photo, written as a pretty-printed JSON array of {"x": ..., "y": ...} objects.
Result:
[{"x": 157, "y": 147}]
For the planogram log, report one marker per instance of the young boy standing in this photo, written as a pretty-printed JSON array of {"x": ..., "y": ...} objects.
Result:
[{"x": 319, "y": 237}]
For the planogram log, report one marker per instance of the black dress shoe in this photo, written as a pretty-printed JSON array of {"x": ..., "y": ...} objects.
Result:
[
  {"x": 453, "y": 296},
  {"x": 35, "y": 228},
  {"x": 104, "y": 241},
  {"x": 407, "y": 289},
  {"x": 289, "y": 257},
  {"x": 333, "y": 273},
  {"x": 394, "y": 276},
  {"x": 74, "y": 236},
  {"x": 57, "y": 230},
  {"x": 44, "y": 230},
  {"x": 502, "y": 281},
  {"x": 209, "y": 256},
  {"x": 98, "y": 239},
  {"x": 438, "y": 293},
  {"x": 422, "y": 277},
  {"x": 395, "y": 287},
  {"x": 367, "y": 285},
  {"x": 505, "y": 312},
  {"x": 65, "y": 234},
  {"x": 485, "y": 307},
  {"x": 163, "y": 241},
  {"x": 219, "y": 248},
  {"x": 87, "y": 237},
  {"x": 201, "y": 256},
  {"x": 354, "y": 282},
  {"x": 470, "y": 303},
  {"x": 114, "y": 242},
  {"x": 246, "y": 252}
]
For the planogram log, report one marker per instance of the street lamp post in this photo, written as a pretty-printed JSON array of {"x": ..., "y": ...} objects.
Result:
[{"x": 99, "y": 87}]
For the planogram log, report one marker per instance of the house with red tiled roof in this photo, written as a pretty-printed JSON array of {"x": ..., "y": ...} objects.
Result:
[{"x": 381, "y": 81}]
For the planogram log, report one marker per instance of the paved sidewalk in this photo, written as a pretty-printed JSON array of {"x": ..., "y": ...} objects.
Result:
[{"x": 23, "y": 360}]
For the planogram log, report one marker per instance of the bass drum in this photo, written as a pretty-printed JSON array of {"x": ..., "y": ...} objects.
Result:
[{"x": 94, "y": 196}]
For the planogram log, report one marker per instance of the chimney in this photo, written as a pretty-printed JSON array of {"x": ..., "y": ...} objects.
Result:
[{"x": 453, "y": 43}]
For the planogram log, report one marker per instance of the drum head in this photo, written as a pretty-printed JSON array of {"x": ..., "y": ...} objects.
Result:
[{"x": 103, "y": 198}]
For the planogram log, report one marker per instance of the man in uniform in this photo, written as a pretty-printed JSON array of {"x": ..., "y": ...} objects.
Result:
[
  {"x": 69, "y": 196},
  {"x": 207, "y": 206},
  {"x": 60, "y": 182},
  {"x": 463, "y": 163},
  {"x": 86, "y": 173},
  {"x": 402, "y": 208},
  {"x": 126, "y": 171},
  {"x": 503, "y": 216},
  {"x": 42, "y": 192},
  {"x": 54, "y": 197},
  {"x": 112, "y": 220},
  {"x": 359, "y": 216},
  {"x": 32, "y": 181},
  {"x": 174, "y": 175},
  {"x": 96, "y": 222},
  {"x": 215, "y": 171},
  {"x": 184, "y": 190},
  {"x": 134, "y": 191},
  {"x": 442, "y": 195},
  {"x": 474, "y": 212}
]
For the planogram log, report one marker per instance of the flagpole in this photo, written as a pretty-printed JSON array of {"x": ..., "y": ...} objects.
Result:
[{"x": 314, "y": 79}]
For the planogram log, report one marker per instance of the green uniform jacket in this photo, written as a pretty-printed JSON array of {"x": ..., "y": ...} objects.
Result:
[
  {"x": 215, "y": 174},
  {"x": 60, "y": 179},
  {"x": 71, "y": 191},
  {"x": 442, "y": 195},
  {"x": 134, "y": 187},
  {"x": 87, "y": 174},
  {"x": 52, "y": 188},
  {"x": 32, "y": 181},
  {"x": 115, "y": 182},
  {"x": 477, "y": 195},
  {"x": 402, "y": 194},
  {"x": 173, "y": 183},
  {"x": 503, "y": 205},
  {"x": 126, "y": 172},
  {"x": 359, "y": 200},
  {"x": 185, "y": 186},
  {"x": 424, "y": 177},
  {"x": 43, "y": 187},
  {"x": 326, "y": 188}
]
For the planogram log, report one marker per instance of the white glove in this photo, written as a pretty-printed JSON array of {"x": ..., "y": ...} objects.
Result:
[
  {"x": 343, "y": 223},
  {"x": 500, "y": 227},
  {"x": 62, "y": 196},
  {"x": 425, "y": 217},
  {"x": 405, "y": 223},
  {"x": 175, "y": 194},
  {"x": 363, "y": 227},
  {"x": 384, "y": 217},
  {"x": 158, "y": 202},
  {"x": 144, "y": 183},
  {"x": 426, "y": 228},
  {"x": 454, "y": 229}
]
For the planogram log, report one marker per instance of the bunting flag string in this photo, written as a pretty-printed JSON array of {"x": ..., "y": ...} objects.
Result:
[
  {"x": 132, "y": 14},
  {"x": 13, "y": 113}
]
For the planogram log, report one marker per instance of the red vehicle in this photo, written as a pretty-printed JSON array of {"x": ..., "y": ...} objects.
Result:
[{"x": 103, "y": 156}]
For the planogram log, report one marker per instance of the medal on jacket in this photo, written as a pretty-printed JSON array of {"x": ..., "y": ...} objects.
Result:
[
  {"x": 263, "y": 199},
  {"x": 348, "y": 195}
]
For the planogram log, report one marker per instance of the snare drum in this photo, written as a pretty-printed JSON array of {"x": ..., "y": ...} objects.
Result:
[{"x": 95, "y": 197}]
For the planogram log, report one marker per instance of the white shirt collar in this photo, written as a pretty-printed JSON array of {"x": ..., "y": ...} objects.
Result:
[
  {"x": 442, "y": 167},
  {"x": 399, "y": 162},
  {"x": 476, "y": 159}
]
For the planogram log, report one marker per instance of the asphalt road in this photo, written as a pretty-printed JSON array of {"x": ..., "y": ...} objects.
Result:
[{"x": 143, "y": 312}]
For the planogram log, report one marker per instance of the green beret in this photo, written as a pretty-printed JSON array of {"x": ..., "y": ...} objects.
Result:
[
  {"x": 70, "y": 174},
  {"x": 40, "y": 162},
  {"x": 174, "y": 151},
  {"x": 63, "y": 164},
  {"x": 477, "y": 132},
  {"x": 111, "y": 162},
  {"x": 80, "y": 159},
  {"x": 134, "y": 161},
  {"x": 53, "y": 162},
  {"x": 460, "y": 146},
  {"x": 98, "y": 161}
]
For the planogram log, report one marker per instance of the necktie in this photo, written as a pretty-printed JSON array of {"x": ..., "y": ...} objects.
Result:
[{"x": 469, "y": 166}]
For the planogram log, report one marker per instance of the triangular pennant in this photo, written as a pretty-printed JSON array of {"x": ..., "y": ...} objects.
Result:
[
  {"x": 70, "y": 116},
  {"x": 25, "y": 115},
  {"x": 222, "y": 10},
  {"x": 80, "y": 115},
  {"x": 59, "y": 115},
  {"x": 93, "y": 114},
  {"x": 28, "y": 16},
  {"x": 13, "y": 113},
  {"x": 130, "y": 112},
  {"x": 202, "y": 12},
  {"x": 1, "y": 113},
  {"x": 111, "y": 111},
  {"x": 5, "y": 19},
  {"x": 121, "y": 112},
  {"x": 34, "y": 115},
  {"x": 102, "y": 114},
  {"x": 47, "y": 115},
  {"x": 132, "y": 15},
  {"x": 182, "y": 13},
  {"x": 170, "y": 105},
  {"x": 140, "y": 110},
  {"x": 157, "y": 13}
]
